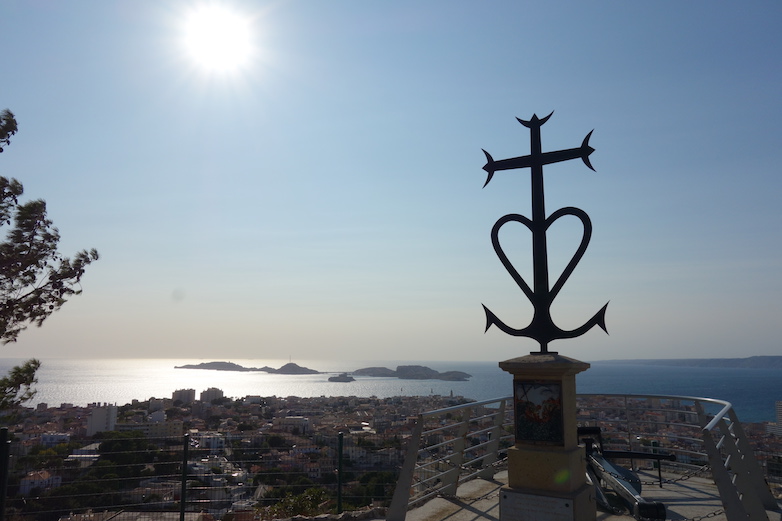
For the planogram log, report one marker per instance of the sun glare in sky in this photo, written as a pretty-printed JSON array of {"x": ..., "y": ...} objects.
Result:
[{"x": 218, "y": 39}]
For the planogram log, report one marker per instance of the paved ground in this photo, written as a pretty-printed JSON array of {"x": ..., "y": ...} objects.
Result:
[{"x": 478, "y": 500}]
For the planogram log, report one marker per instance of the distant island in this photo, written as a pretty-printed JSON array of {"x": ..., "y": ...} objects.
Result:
[
  {"x": 403, "y": 372},
  {"x": 289, "y": 368},
  {"x": 413, "y": 372},
  {"x": 752, "y": 362}
]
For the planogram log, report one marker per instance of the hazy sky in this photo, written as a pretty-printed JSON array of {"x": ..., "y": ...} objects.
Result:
[{"x": 324, "y": 200}]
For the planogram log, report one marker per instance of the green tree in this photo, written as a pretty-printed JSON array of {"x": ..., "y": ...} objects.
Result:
[
  {"x": 17, "y": 387},
  {"x": 7, "y": 127},
  {"x": 305, "y": 504},
  {"x": 35, "y": 279}
]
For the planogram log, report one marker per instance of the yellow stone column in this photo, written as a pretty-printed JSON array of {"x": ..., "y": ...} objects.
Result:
[{"x": 546, "y": 467}]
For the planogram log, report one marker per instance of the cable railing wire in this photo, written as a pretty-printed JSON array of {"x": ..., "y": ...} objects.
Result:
[{"x": 264, "y": 476}]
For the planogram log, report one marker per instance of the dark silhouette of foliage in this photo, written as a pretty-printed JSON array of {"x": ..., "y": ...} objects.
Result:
[
  {"x": 305, "y": 504},
  {"x": 378, "y": 485},
  {"x": 35, "y": 279},
  {"x": 7, "y": 127},
  {"x": 16, "y": 387}
]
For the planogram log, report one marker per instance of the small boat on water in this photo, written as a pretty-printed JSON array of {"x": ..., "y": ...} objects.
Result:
[{"x": 342, "y": 377}]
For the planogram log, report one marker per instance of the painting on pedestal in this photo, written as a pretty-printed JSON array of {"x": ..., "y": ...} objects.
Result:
[{"x": 538, "y": 411}]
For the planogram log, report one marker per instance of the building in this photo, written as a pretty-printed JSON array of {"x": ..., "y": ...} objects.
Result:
[
  {"x": 85, "y": 456},
  {"x": 186, "y": 396},
  {"x": 41, "y": 479},
  {"x": 102, "y": 419},
  {"x": 211, "y": 394},
  {"x": 213, "y": 441},
  {"x": 776, "y": 428},
  {"x": 154, "y": 429},
  {"x": 50, "y": 439},
  {"x": 294, "y": 424}
]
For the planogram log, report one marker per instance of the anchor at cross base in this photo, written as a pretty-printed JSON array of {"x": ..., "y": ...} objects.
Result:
[{"x": 542, "y": 327}]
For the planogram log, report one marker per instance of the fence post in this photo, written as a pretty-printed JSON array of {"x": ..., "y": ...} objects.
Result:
[
  {"x": 183, "y": 490},
  {"x": 753, "y": 468},
  {"x": 340, "y": 445},
  {"x": 450, "y": 478},
  {"x": 742, "y": 477},
  {"x": 493, "y": 447},
  {"x": 4, "y": 457},
  {"x": 398, "y": 509},
  {"x": 731, "y": 502}
]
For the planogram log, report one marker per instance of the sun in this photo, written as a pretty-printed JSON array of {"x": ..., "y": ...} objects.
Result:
[{"x": 218, "y": 39}]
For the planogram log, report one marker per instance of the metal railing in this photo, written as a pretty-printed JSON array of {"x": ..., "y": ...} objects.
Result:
[
  {"x": 260, "y": 475},
  {"x": 448, "y": 447},
  {"x": 445, "y": 448},
  {"x": 704, "y": 434}
]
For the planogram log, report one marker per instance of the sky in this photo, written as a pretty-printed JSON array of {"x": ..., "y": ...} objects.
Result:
[{"x": 322, "y": 198}]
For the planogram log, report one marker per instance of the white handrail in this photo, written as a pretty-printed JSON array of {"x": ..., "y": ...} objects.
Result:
[{"x": 677, "y": 424}]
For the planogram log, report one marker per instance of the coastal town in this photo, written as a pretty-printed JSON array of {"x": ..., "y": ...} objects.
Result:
[{"x": 241, "y": 453}]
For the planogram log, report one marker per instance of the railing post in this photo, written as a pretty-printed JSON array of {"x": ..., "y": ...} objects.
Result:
[
  {"x": 4, "y": 457},
  {"x": 183, "y": 490},
  {"x": 451, "y": 476},
  {"x": 630, "y": 434},
  {"x": 340, "y": 448},
  {"x": 753, "y": 468},
  {"x": 398, "y": 509},
  {"x": 742, "y": 474},
  {"x": 731, "y": 503},
  {"x": 494, "y": 445}
]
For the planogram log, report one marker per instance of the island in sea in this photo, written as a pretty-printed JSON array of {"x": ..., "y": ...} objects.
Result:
[
  {"x": 403, "y": 372},
  {"x": 413, "y": 372},
  {"x": 289, "y": 368}
]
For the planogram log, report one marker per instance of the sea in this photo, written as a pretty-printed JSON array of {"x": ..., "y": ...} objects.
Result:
[{"x": 753, "y": 392}]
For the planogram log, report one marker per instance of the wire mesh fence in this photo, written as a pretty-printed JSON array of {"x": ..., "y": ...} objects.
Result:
[
  {"x": 284, "y": 469},
  {"x": 271, "y": 475}
]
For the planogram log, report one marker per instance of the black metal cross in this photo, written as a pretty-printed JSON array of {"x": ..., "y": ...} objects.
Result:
[{"x": 542, "y": 328}]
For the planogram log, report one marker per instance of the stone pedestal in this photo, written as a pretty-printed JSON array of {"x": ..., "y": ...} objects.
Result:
[{"x": 546, "y": 467}]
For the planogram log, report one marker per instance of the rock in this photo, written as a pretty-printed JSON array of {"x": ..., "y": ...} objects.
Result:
[
  {"x": 454, "y": 376},
  {"x": 217, "y": 366},
  {"x": 375, "y": 371},
  {"x": 289, "y": 368},
  {"x": 416, "y": 372},
  {"x": 413, "y": 372},
  {"x": 292, "y": 368}
]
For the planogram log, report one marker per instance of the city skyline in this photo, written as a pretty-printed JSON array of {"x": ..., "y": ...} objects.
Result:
[{"x": 323, "y": 199}]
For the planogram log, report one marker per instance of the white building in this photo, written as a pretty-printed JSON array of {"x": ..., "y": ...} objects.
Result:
[
  {"x": 154, "y": 429},
  {"x": 214, "y": 441},
  {"x": 185, "y": 396},
  {"x": 85, "y": 456},
  {"x": 211, "y": 394},
  {"x": 299, "y": 424},
  {"x": 102, "y": 419}
]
